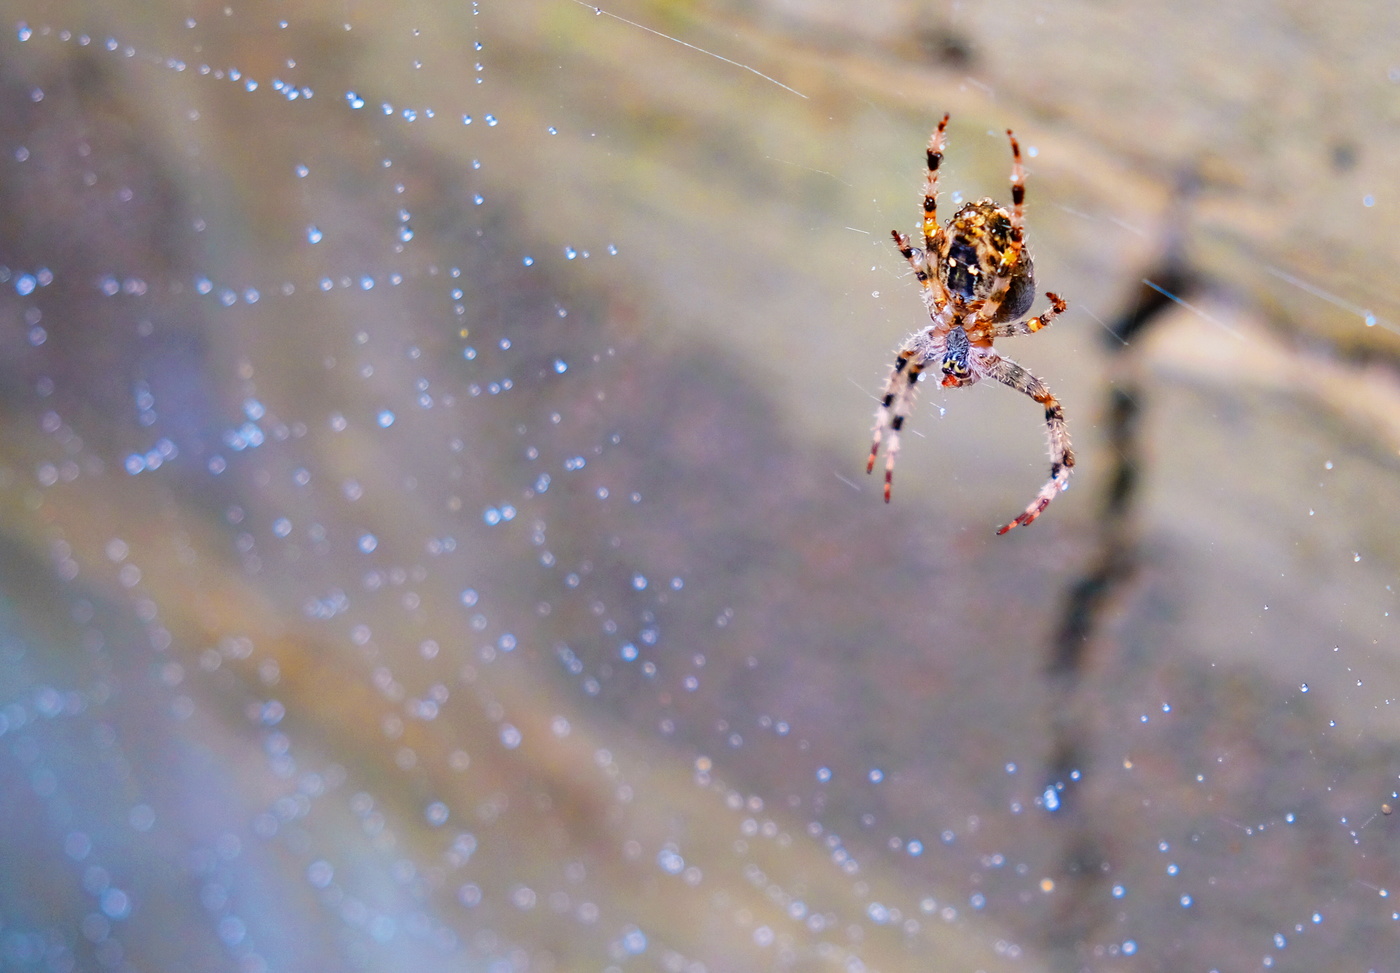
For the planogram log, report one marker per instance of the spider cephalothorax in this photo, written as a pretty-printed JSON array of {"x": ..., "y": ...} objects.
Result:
[{"x": 977, "y": 276}]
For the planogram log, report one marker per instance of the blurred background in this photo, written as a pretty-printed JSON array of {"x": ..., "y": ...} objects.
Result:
[{"x": 433, "y": 525}]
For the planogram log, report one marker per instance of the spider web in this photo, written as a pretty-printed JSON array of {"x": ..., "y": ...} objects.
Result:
[{"x": 434, "y": 532}]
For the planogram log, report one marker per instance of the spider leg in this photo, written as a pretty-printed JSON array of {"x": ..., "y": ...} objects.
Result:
[
  {"x": 934, "y": 159},
  {"x": 1029, "y": 326},
  {"x": 1018, "y": 191},
  {"x": 882, "y": 414},
  {"x": 931, "y": 286},
  {"x": 1009, "y": 373},
  {"x": 915, "y": 257},
  {"x": 900, "y": 391}
]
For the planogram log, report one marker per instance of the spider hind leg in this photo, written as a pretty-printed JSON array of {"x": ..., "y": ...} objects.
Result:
[
  {"x": 1061, "y": 453},
  {"x": 900, "y": 390}
]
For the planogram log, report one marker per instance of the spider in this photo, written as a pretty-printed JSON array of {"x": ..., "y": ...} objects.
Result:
[{"x": 977, "y": 279}]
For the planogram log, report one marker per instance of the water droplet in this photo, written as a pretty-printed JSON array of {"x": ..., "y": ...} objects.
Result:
[
  {"x": 115, "y": 903},
  {"x": 634, "y": 941},
  {"x": 313, "y": 234},
  {"x": 320, "y": 873},
  {"x": 142, "y": 818},
  {"x": 368, "y": 542}
]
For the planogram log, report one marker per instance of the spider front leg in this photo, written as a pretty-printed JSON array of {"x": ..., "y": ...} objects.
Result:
[
  {"x": 899, "y": 396},
  {"x": 1007, "y": 372},
  {"x": 916, "y": 261},
  {"x": 915, "y": 257}
]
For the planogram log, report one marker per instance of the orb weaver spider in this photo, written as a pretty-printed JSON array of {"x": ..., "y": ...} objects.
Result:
[{"x": 977, "y": 279}]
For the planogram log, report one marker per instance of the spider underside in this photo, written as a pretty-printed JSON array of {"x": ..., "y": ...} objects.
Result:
[{"x": 977, "y": 278}]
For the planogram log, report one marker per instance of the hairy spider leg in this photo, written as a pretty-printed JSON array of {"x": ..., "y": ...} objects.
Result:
[
  {"x": 934, "y": 159},
  {"x": 900, "y": 393},
  {"x": 1018, "y": 191},
  {"x": 1009, "y": 373},
  {"x": 1029, "y": 326},
  {"x": 916, "y": 260},
  {"x": 901, "y": 410},
  {"x": 882, "y": 414}
]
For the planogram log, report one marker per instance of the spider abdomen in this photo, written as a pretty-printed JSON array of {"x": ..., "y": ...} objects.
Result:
[
  {"x": 963, "y": 275},
  {"x": 980, "y": 256},
  {"x": 1020, "y": 292}
]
